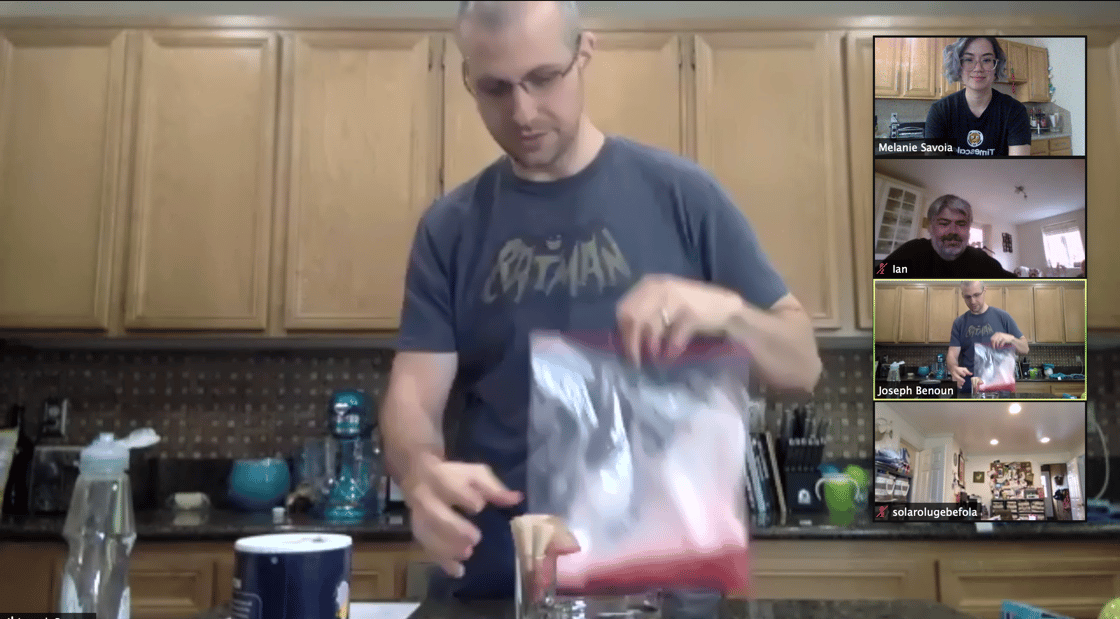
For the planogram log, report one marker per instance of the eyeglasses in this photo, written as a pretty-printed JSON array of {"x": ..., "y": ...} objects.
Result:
[
  {"x": 987, "y": 62},
  {"x": 537, "y": 84}
]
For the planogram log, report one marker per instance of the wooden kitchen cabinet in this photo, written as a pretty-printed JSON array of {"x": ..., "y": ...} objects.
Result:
[
  {"x": 907, "y": 68},
  {"x": 945, "y": 304},
  {"x": 1037, "y": 89},
  {"x": 357, "y": 182},
  {"x": 794, "y": 189},
  {"x": 1102, "y": 160},
  {"x": 61, "y": 110},
  {"x": 861, "y": 67},
  {"x": 1049, "y": 325},
  {"x": 1075, "y": 579},
  {"x": 828, "y": 570},
  {"x": 1051, "y": 147},
  {"x": 912, "y": 314},
  {"x": 1017, "y": 68},
  {"x": 887, "y": 299},
  {"x": 912, "y": 68},
  {"x": 210, "y": 186},
  {"x": 202, "y": 185},
  {"x": 945, "y": 87},
  {"x": 179, "y": 580},
  {"x": 1018, "y": 301}
]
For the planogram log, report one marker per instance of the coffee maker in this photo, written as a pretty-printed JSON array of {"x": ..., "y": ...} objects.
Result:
[{"x": 358, "y": 481}]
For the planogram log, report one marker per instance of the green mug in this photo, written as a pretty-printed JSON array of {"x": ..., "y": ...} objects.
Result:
[{"x": 839, "y": 495}]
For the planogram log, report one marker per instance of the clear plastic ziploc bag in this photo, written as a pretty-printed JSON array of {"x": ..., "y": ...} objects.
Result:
[
  {"x": 994, "y": 367},
  {"x": 645, "y": 466}
]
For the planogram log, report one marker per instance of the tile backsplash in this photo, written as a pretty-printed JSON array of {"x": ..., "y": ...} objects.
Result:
[{"x": 224, "y": 404}]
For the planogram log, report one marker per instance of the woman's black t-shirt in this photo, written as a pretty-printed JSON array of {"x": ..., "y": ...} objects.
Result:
[{"x": 1004, "y": 123}]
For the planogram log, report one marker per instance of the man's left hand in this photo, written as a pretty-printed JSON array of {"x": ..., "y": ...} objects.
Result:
[
  {"x": 663, "y": 313},
  {"x": 1002, "y": 339}
]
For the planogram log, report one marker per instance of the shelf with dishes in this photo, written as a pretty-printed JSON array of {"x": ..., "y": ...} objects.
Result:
[
  {"x": 1019, "y": 509},
  {"x": 892, "y": 476}
]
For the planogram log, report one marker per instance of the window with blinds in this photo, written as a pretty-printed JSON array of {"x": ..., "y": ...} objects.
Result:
[{"x": 1062, "y": 244}]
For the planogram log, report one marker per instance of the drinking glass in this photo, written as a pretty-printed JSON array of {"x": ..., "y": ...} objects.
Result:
[{"x": 537, "y": 597}]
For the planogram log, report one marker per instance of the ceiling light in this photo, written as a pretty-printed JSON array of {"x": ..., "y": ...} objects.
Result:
[
  {"x": 1015, "y": 408},
  {"x": 995, "y": 442},
  {"x": 1045, "y": 439}
]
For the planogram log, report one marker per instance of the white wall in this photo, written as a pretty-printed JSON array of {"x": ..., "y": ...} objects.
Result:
[
  {"x": 1029, "y": 238},
  {"x": 902, "y": 429},
  {"x": 1067, "y": 57},
  {"x": 1010, "y": 261},
  {"x": 982, "y": 463},
  {"x": 1067, "y": 64}
]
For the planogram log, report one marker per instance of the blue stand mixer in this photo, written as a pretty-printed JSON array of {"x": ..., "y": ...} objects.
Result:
[{"x": 357, "y": 488}]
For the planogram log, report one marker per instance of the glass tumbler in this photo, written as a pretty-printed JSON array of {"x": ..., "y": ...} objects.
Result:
[{"x": 535, "y": 590}]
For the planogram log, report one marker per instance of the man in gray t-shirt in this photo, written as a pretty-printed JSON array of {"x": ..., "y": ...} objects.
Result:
[
  {"x": 982, "y": 323},
  {"x": 573, "y": 230}
]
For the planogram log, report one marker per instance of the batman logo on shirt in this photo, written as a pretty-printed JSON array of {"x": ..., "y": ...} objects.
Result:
[{"x": 975, "y": 138}]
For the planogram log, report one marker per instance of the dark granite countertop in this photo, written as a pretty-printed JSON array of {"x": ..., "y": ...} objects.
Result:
[
  {"x": 727, "y": 609},
  {"x": 166, "y": 525},
  {"x": 218, "y": 525}
]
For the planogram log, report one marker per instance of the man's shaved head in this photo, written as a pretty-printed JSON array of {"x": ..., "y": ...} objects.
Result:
[
  {"x": 523, "y": 62},
  {"x": 495, "y": 15}
]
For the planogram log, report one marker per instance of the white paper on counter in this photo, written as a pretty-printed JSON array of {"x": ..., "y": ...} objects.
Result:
[{"x": 382, "y": 610}]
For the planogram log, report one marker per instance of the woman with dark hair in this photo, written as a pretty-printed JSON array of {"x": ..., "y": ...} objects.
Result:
[{"x": 978, "y": 120}]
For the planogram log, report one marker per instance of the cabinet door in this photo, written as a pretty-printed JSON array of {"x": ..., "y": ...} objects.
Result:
[
  {"x": 781, "y": 156},
  {"x": 203, "y": 183},
  {"x": 975, "y": 580},
  {"x": 1038, "y": 88},
  {"x": 1018, "y": 301},
  {"x": 898, "y": 214},
  {"x": 633, "y": 87},
  {"x": 789, "y": 570},
  {"x": 888, "y": 67},
  {"x": 913, "y": 322},
  {"x": 1017, "y": 67},
  {"x": 1049, "y": 325},
  {"x": 170, "y": 584},
  {"x": 1073, "y": 313},
  {"x": 886, "y": 313},
  {"x": 862, "y": 71},
  {"x": 945, "y": 87},
  {"x": 1103, "y": 160},
  {"x": 920, "y": 69},
  {"x": 944, "y": 306},
  {"x": 359, "y": 181},
  {"x": 61, "y": 112}
]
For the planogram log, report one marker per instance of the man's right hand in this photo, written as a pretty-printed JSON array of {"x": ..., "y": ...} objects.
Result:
[
  {"x": 960, "y": 374},
  {"x": 434, "y": 491}
]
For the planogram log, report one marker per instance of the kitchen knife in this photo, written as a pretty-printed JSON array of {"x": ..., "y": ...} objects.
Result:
[{"x": 818, "y": 452}]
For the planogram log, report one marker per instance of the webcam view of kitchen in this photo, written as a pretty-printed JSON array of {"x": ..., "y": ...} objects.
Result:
[
  {"x": 1001, "y": 219},
  {"x": 996, "y": 339},
  {"x": 980, "y": 461},
  {"x": 979, "y": 96}
]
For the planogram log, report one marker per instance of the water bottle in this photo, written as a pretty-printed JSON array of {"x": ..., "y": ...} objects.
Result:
[{"x": 100, "y": 531}]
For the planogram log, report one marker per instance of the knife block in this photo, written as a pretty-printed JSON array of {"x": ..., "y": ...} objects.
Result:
[{"x": 801, "y": 493}]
